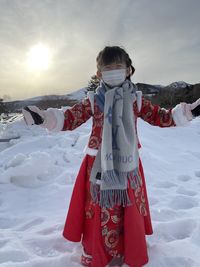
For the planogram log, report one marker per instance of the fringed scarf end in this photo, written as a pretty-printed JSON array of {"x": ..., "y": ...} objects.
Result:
[
  {"x": 94, "y": 191},
  {"x": 109, "y": 198}
]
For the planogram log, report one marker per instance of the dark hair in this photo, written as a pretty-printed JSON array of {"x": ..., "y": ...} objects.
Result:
[{"x": 114, "y": 54}]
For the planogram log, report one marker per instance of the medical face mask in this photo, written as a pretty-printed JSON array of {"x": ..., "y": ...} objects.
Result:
[{"x": 114, "y": 77}]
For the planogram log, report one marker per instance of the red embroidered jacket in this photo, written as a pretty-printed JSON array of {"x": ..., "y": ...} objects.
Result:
[{"x": 82, "y": 111}]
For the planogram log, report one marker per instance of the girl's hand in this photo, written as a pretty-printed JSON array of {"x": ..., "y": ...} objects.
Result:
[
  {"x": 33, "y": 115},
  {"x": 195, "y": 108},
  {"x": 52, "y": 118},
  {"x": 190, "y": 111}
]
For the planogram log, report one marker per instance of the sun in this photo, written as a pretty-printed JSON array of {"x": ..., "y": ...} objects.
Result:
[{"x": 39, "y": 57}]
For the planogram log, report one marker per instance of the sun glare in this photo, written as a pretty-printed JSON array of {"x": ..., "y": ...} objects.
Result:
[{"x": 39, "y": 57}]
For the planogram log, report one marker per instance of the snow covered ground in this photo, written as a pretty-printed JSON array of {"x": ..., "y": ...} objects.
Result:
[{"x": 37, "y": 173}]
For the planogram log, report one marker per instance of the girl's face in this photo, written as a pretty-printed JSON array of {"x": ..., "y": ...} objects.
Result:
[
  {"x": 114, "y": 74},
  {"x": 113, "y": 66}
]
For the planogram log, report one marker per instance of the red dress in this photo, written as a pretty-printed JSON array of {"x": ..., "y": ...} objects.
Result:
[{"x": 120, "y": 231}]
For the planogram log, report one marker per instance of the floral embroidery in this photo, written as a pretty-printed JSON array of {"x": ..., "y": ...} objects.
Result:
[
  {"x": 112, "y": 230},
  {"x": 112, "y": 239},
  {"x": 140, "y": 200},
  {"x": 94, "y": 142},
  {"x": 77, "y": 115},
  {"x": 89, "y": 213},
  {"x": 105, "y": 216},
  {"x": 86, "y": 261},
  {"x": 154, "y": 114}
]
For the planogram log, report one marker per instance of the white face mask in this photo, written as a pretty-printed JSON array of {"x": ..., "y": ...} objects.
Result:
[{"x": 114, "y": 77}]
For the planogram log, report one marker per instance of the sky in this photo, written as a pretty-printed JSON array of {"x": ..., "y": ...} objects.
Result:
[{"x": 162, "y": 38}]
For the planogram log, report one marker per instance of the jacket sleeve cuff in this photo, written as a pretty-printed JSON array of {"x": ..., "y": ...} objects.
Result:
[
  {"x": 179, "y": 116},
  {"x": 57, "y": 117}
]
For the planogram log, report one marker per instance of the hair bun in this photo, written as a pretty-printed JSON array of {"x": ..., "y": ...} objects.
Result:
[{"x": 132, "y": 70}]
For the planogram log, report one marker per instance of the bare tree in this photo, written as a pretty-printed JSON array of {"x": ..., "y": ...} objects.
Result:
[{"x": 3, "y": 108}]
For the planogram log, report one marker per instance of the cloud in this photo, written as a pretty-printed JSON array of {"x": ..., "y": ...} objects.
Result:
[{"x": 161, "y": 36}]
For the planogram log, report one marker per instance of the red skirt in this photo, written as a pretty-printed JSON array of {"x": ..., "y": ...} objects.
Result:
[{"x": 108, "y": 233}]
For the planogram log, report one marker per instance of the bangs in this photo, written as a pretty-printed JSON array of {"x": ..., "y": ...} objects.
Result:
[{"x": 111, "y": 55}]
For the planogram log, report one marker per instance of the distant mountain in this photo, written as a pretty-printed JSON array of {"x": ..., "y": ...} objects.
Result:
[
  {"x": 178, "y": 85},
  {"x": 149, "y": 89},
  {"x": 172, "y": 94},
  {"x": 45, "y": 102},
  {"x": 165, "y": 96},
  {"x": 77, "y": 95}
]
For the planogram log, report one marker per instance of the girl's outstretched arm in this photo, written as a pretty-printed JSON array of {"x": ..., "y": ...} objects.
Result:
[
  {"x": 77, "y": 115},
  {"x": 56, "y": 119},
  {"x": 180, "y": 115}
]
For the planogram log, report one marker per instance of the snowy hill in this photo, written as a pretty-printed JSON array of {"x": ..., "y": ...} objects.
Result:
[
  {"x": 46, "y": 101},
  {"x": 77, "y": 95},
  {"x": 148, "y": 89},
  {"x": 37, "y": 174},
  {"x": 178, "y": 85},
  {"x": 70, "y": 99}
]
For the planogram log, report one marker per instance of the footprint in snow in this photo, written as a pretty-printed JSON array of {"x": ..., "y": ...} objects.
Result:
[
  {"x": 51, "y": 247},
  {"x": 16, "y": 161},
  {"x": 183, "y": 202},
  {"x": 6, "y": 223},
  {"x": 30, "y": 224},
  {"x": 26, "y": 181},
  {"x": 77, "y": 251},
  {"x": 186, "y": 192},
  {"x": 197, "y": 174},
  {"x": 184, "y": 178},
  {"x": 196, "y": 236},
  {"x": 175, "y": 230},
  {"x": 13, "y": 256},
  {"x": 3, "y": 242},
  {"x": 196, "y": 154},
  {"x": 153, "y": 201},
  {"x": 161, "y": 258},
  {"x": 165, "y": 215},
  {"x": 165, "y": 184},
  {"x": 51, "y": 230},
  {"x": 178, "y": 262}
]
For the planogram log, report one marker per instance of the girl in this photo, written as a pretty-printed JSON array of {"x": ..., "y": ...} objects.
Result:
[{"x": 109, "y": 210}]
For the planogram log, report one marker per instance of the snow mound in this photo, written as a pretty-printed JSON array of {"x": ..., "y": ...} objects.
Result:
[{"x": 37, "y": 174}]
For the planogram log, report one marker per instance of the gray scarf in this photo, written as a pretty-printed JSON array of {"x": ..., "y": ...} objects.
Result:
[{"x": 117, "y": 159}]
